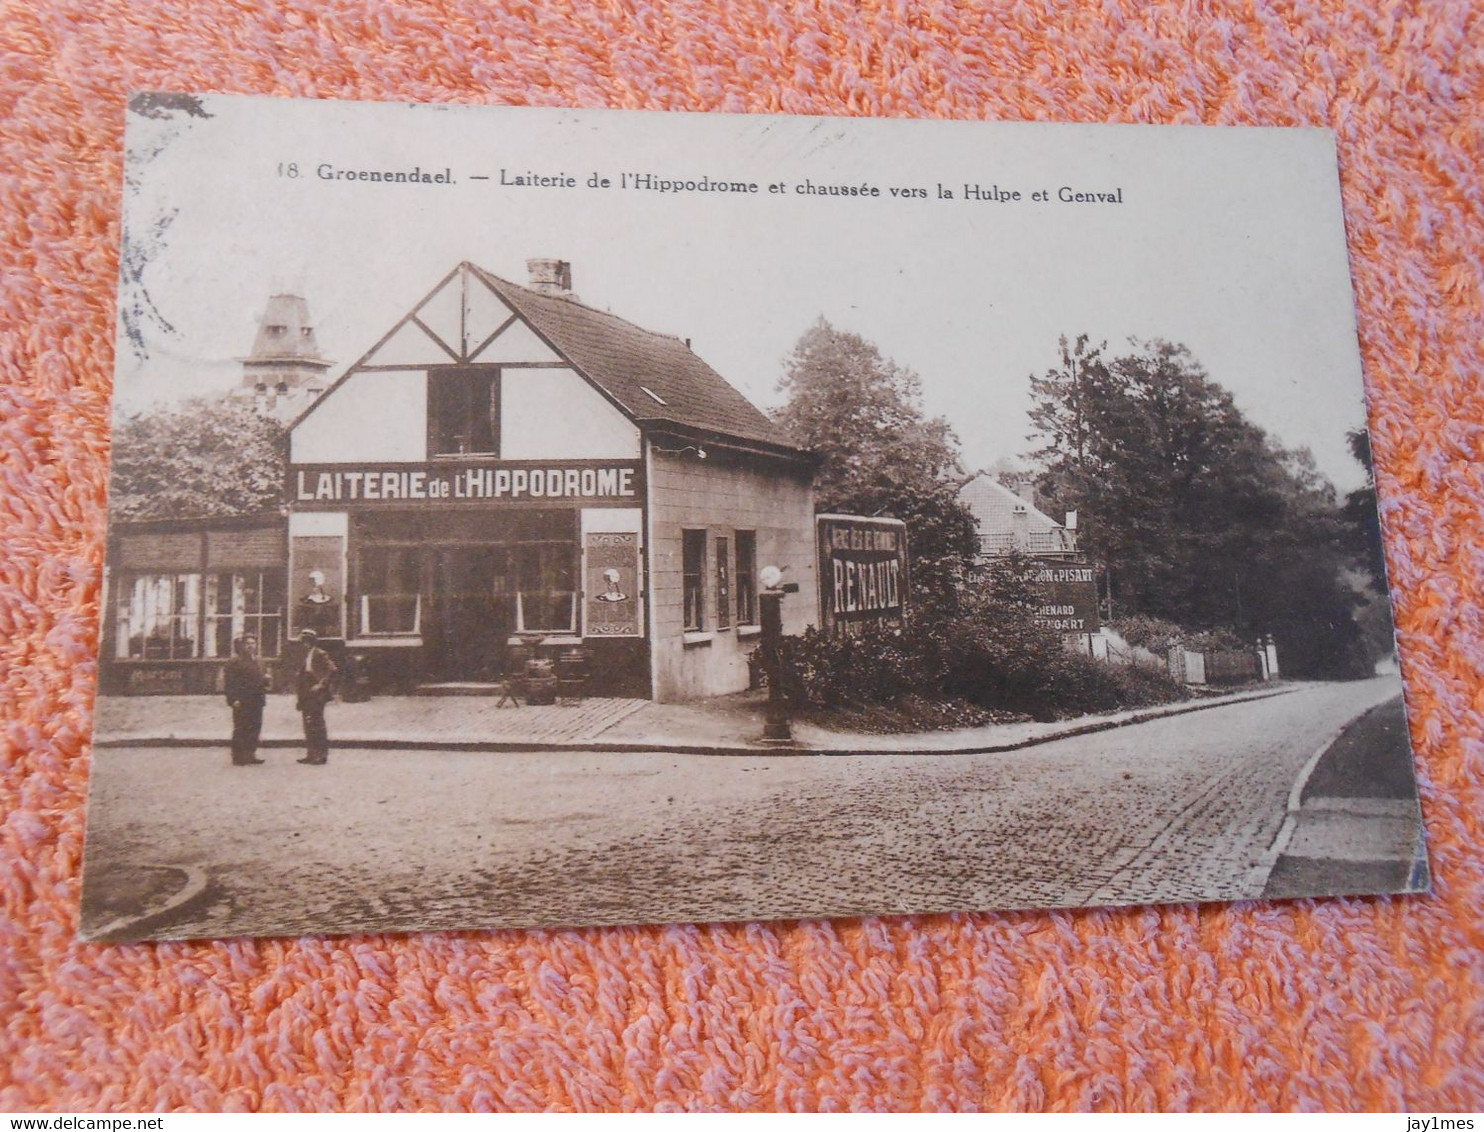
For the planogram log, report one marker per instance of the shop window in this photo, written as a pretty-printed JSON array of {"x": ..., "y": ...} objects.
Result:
[
  {"x": 159, "y": 617},
  {"x": 545, "y": 591},
  {"x": 746, "y": 577},
  {"x": 463, "y": 412},
  {"x": 723, "y": 585},
  {"x": 248, "y": 603},
  {"x": 391, "y": 592},
  {"x": 693, "y": 578}
]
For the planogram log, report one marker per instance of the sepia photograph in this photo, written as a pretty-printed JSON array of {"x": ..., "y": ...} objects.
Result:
[{"x": 532, "y": 518}]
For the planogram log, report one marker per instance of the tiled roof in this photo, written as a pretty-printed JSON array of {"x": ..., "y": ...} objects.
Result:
[
  {"x": 286, "y": 334},
  {"x": 625, "y": 360},
  {"x": 995, "y": 505}
]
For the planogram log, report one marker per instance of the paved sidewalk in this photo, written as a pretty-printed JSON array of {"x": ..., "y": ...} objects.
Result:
[
  {"x": 724, "y": 725},
  {"x": 1354, "y": 821},
  {"x": 384, "y": 721}
]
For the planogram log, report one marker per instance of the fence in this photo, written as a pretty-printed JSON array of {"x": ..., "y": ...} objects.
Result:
[
  {"x": 998, "y": 543},
  {"x": 1118, "y": 651},
  {"x": 1233, "y": 667},
  {"x": 1216, "y": 667}
]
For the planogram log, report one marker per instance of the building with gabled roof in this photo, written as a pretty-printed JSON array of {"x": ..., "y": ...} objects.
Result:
[
  {"x": 654, "y": 378},
  {"x": 508, "y": 467},
  {"x": 1010, "y": 523}
]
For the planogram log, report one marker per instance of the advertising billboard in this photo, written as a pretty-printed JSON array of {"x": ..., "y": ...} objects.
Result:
[
  {"x": 862, "y": 572},
  {"x": 1068, "y": 595}
]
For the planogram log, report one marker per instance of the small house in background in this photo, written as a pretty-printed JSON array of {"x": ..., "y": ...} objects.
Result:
[{"x": 1010, "y": 523}]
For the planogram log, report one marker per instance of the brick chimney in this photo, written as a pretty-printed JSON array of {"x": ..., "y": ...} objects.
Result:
[{"x": 551, "y": 277}]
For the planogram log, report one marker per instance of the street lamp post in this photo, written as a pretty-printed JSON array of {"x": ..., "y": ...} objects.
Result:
[{"x": 776, "y": 728}]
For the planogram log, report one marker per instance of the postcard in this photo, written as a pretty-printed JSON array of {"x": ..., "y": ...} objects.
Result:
[{"x": 529, "y": 517}]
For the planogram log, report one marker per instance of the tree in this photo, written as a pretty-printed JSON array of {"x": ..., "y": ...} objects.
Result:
[
  {"x": 974, "y": 637},
  {"x": 1132, "y": 445},
  {"x": 1197, "y": 514},
  {"x": 861, "y": 414},
  {"x": 200, "y": 459},
  {"x": 1362, "y": 513}
]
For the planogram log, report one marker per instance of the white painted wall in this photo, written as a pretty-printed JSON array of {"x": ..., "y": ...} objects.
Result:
[
  {"x": 611, "y": 520},
  {"x": 518, "y": 343},
  {"x": 382, "y": 417},
  {"x": 554, "y": 414},
  {"x": 324, "y": 523},
  {"x": 379, "y": 417}
]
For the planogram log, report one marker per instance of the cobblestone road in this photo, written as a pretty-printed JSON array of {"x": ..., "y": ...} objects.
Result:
[{"x": 1177, "y": 809}]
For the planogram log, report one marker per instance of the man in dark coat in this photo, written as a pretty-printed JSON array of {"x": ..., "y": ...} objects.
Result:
[
  {"x": 315, "y": 686},
  {"x": 246, "y": 686}
]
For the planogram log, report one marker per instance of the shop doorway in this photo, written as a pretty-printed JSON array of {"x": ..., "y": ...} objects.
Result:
[
  {"x": 471, "y": 614},
  {"x": 462, "y": 584}
]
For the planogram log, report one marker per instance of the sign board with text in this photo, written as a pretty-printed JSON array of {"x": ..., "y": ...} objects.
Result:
[
  {"x": 862, "y": 572},
  {"x": 572, "y": 483},
  {"x": 465, "y": 487},
  {"x": 1068, "y": 593},
  {"x": 612, "y": 576}
]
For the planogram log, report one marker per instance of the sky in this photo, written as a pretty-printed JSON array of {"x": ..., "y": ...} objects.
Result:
[{"x": 1229, "y": 240}]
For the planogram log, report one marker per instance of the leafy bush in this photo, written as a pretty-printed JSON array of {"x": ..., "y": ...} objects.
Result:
[
  {"x": 982, "y": 648},
  {"x": 1157, "y": 635}
]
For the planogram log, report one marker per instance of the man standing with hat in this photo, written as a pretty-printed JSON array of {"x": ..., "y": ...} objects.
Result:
[
  {"x": 246, "y": 686},
  {"x": 316, "y": 676}
]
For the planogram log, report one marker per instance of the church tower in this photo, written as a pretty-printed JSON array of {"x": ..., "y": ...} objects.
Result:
[{"x": 285, "y": 372}]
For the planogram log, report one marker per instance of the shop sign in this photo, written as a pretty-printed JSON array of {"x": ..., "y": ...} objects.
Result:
[
  {"x": 317, "y": 584},
  {"x": 1068, "y": 593},
  {"x": 612, "y": 575},
  {"x": 579, "y": 483},
  {"x": 862, "y": 572},
  {"x": 156, "y": 681}
]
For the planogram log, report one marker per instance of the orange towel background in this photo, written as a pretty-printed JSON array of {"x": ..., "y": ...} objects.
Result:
[{"x": 1336, "y": 1004}]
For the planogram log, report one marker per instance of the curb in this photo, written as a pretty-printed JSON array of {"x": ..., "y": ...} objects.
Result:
[
  {"x": 125, "y": 929},
  {"x": 1265, "y": 865},
  {"x": 664, "y": 748}
]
